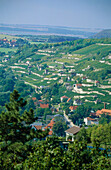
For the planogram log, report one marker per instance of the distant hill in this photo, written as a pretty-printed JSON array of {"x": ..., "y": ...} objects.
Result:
[
  {"x": 47, "y": 30},
  {"x": 103, "y": 34}
]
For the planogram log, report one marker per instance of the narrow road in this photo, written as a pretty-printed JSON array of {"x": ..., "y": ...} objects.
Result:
[{"x": 71, "y": 124}]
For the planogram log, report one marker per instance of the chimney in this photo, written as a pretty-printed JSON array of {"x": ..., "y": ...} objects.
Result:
[{"x": 104, "y": 105}]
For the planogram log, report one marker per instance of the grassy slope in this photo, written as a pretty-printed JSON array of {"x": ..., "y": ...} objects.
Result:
[
  {"x": 93, "y": 49},
  {"x": 6, "y": 50}
]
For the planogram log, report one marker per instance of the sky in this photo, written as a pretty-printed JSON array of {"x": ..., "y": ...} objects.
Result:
[{"x": 71, "y": 13}]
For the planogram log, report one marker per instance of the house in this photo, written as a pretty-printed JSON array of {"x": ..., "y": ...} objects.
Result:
[
  {"x": 68, "y": 78},
  {"x": 90, "y": 121},
  {"x": 64, "y": 98},
  {"x": 77, "y": 86},
  {"x": 61, "y": 81},
  {"x": 34, "y": 98},
  {"x": 27, "y": 62},
  {"x": 73, "y": 108},
  {"x": 72, "y": 132},
  {"x": 43, "y": 105},
  {"x": 69, "y": 100},
  {"x": 83, "y": 78},
  {"x": 37, "y": 125},
  {"x": 50, "y": 126},
  {"x": 97, "y": 83},
  {"x": 103, "y": 111}
]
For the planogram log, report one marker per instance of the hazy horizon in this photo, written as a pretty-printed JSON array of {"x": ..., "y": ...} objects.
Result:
[{"x": 64, "y": 13}]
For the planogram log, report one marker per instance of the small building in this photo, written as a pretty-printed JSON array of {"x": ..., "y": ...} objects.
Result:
[
  {"x": 64, "y": 98},
  {"x": 77, "y": 86},
  {"x": 83, "y": 78},
  {"x": 27, "y": 62},
  {"x": 34, "y": 99},
  {"x": 37, "y": 125},
  {"x": 97, "y": 83},
  {"x": 72, "y": 132},
  {"x": 90, "y": 121},
  {"x": 50, "y": 126},
  {"x": 73, "y": 108},
  {"x": 43, "y": 105}
]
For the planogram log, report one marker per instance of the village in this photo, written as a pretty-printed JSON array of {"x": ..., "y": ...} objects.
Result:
[{"x": 63, "y": 86}]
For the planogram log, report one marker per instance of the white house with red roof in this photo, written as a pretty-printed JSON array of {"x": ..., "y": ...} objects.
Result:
[
  {"x": 77, "y": 86},
  {"x": 64, "y": 98},
  {"x": 90, "y": 121},
  {"x": 73, "y": 108}
]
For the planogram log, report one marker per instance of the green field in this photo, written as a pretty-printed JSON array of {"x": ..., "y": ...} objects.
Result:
[
  {"x": 6, "y": 50},
  {"x": 9, "y": 37},
  {"x": 31, "y": 42}
]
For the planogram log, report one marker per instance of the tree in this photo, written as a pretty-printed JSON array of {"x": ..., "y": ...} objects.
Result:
[
  {"x": 16, "y": 132},
  {"x": 47, "y": 111},
  {"x": 82, "y": 135},
  {"x": 49, "y": 155},
  {"x": 59, "y": 127}
]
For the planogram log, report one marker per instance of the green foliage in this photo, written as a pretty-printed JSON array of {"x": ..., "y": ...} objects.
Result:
[
  {"x": 59, "y": 127},
  {"x": 102, "y": 134},
  {"x": 81, "y": 112},
  {"x": 16, "y": 132},
  {"x": 78, "y": 156}
]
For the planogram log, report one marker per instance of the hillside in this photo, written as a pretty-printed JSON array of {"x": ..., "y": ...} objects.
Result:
[
  {"x": 81, "y": 61},
  {"x": 103, "y": 34},
  {"x": 21, "y": 29}
]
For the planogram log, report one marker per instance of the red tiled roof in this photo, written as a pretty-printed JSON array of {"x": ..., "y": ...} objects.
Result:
[
  {"x": 4, "y": 39},
  {"x": 64, "y": 97},
  {"x": 50, "y": 125},
  {"x": 68, "y": 99},
  {"x": 105, "y": 111},
  {"x": 50, "y": 132},
  {"x": 44, "y": 105},
  {"x": 88, "y": 118},
  {"x": 38, "y": 127},
  {"x": 34, "y": 98},
  {"x": 73, "y": 107},
  {"x": 41, "y": 101},
  {"x": 97, "y": 82},
  {"x": 79, "y": 85},
  {"x": 13, "y": 40}
]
